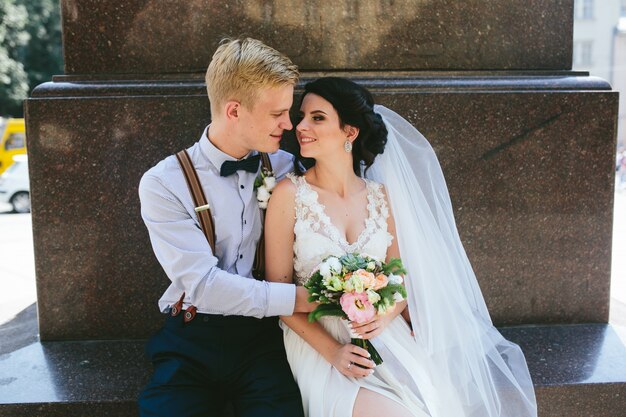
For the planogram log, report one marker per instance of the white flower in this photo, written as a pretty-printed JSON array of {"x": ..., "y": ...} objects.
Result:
[
  {"x": 269, "y": 182},
  {"x": 334, "y": 264},
  {"x": 263, "y": 195},
  {"x": 333, "y": 283},
  {"x": 373, "y": 296},
  {"x": 397, "y": 297},
  {"x": 264, "y": 184},
  {"x": 371, "y": 266},
  {"x": 325, "y": 270},
  {"x": 395, "y": 279},
  {"x": 354, "y": 284}
]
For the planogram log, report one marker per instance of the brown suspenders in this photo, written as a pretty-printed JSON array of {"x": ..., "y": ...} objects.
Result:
[
  {"x": 199, "y": 199},
  {"x": 206, "y": 222}
]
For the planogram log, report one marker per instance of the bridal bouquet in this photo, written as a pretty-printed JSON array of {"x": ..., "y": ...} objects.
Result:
[{"x": 356, "y": 287}]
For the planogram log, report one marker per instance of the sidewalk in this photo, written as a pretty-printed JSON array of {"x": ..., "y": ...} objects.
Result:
[
  {"x": 18, "y": 312},
  {"x": 17, "y": 264},
  {"x": 618, "y": 264}
]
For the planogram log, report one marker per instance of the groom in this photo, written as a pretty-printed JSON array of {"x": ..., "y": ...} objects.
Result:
[{"x": 232, "y": 349}]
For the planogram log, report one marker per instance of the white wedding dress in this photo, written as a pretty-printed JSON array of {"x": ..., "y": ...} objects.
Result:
[
  {"x": 457, "y": 364},
  {"x": 403, "y": 376}
]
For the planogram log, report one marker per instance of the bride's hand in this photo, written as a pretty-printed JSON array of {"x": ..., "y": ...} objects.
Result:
[
  {"x": 372, "y": 328},
  {"x": 352, "y": 361}
]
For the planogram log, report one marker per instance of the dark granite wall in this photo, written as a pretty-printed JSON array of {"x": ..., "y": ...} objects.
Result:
[
  {"x": 528, "y": 163},
  {"x": 526, "y": 144},
  {"x": 145, "y": 36}
]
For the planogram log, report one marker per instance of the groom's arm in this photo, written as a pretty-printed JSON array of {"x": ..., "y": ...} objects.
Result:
[{"x": 186, "y": 257}]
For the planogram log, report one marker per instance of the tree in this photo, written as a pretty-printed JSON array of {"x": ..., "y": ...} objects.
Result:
[
  {"x": 13, "y": 36},
  {"x": 43, "y": 57},
  {"x": 30, "y": 51}
]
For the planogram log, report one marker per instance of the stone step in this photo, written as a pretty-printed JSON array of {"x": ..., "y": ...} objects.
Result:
[
  {"x": 578, "y": 370},
  {"x": 86, "y": 378}
]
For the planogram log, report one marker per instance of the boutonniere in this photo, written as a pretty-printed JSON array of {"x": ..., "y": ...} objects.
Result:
[{"x": 264, "y": 184}]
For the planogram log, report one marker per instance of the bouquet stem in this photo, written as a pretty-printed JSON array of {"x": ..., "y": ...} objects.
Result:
[{"x": 370, "y": 348}]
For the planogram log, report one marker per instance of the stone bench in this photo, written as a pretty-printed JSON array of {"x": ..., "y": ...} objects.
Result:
[{"x": 578, "y": 370}]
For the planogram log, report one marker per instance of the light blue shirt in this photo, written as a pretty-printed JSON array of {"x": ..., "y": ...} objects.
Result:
[{"x": 219, "y": 283}]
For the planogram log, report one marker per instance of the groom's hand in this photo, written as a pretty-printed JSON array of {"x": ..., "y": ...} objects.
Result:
[{"x": 302, "y": 303}]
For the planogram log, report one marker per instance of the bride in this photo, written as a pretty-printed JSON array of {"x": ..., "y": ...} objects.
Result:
[{"x": 442, "y": 356}]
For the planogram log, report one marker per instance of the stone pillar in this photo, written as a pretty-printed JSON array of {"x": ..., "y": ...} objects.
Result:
[{"x": 526, "y": 144}]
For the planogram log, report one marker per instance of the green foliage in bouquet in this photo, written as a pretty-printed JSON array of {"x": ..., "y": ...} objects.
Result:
[
  {"x": 327, "y": 284},
  {"x": 356, "y": 287}
]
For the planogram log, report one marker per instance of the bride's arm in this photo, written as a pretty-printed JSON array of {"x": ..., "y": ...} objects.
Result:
[
  {"x": 394, "y": 252},
  {"x": 279, "y": 238}
]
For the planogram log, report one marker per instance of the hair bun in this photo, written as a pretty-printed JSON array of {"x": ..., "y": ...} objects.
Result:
[{"x": 372, "y": 139}]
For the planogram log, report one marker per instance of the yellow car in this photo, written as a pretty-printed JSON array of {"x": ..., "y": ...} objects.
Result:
[{"x": 12, "y": 141}]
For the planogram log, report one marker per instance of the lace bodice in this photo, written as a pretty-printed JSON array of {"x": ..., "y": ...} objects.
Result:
[{"x": 316, "y": 237}]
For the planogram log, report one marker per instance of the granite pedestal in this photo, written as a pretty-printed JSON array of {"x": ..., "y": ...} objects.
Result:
[{"x": 527, "y": 147}]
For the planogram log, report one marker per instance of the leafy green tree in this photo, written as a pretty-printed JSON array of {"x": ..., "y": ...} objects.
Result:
[
  {"x": 43, "y": 57},
  {"x": 13, "y": 37},
  {"x": 30, "y": 49}
]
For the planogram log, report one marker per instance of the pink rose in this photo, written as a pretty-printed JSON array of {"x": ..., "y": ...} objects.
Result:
[{"x": 357, "y": 307}]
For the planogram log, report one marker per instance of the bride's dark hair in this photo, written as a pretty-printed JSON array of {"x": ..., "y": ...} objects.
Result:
[{"x": 355, "y": 107}]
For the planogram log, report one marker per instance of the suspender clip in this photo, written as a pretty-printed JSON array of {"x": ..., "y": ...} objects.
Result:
[
  {"x": 178, "y": 307},
  {"x": 202, "y": 208}
]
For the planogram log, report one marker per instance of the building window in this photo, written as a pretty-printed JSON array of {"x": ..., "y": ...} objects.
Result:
[
  {"x": 583, "y": 9},
  {"x": 583, "y": 53}
]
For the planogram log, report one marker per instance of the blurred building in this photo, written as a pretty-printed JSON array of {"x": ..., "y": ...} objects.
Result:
[
  {"x": 619, "y": 74},
  {"x": 600, "y": 45}
]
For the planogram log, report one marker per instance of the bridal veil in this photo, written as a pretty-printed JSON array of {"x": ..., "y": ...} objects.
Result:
[{"x": 475, "y": 371}]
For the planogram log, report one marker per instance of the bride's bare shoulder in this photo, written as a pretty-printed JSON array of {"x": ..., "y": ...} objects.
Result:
[
  {"x": 286, "y": 185},
  {"x": 283, "y": 195}
]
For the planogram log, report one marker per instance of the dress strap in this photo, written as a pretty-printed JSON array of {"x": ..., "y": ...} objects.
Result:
[
  {"x": 377, "y": 206},
  {"x": 293, "y": 177},
  {"x": 300, "y": 189}
]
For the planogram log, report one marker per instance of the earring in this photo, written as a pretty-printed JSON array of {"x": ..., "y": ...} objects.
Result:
[{"x": 347, "y": 146}]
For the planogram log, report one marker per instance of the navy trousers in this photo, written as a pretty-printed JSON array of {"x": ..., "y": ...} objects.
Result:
[{"x": 214, "y": 361}]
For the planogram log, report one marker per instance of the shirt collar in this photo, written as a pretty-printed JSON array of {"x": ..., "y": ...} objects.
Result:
[{"x": 213, "y": 154}]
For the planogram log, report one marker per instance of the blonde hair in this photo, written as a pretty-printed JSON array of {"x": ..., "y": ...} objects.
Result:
[{"x": 241, "y": 67}]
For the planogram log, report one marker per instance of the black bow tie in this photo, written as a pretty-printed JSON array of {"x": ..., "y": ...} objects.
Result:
[{"x": 250, "y": 164}]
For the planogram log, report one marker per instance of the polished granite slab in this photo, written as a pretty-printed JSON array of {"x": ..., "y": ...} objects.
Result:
[
  {"x": 74, "y": 372},
  {"x": 145, "y": 36},
  {"x": 571, "y": 354},
  {"x": 73, "y": 379},
  {"x": 578, "y": 370},
  {"x": 573, "y": 368},
  {"x": 528, "y": 161}
]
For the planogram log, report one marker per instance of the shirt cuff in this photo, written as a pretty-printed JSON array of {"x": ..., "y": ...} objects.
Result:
[{"x": 281, "y": 299}]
